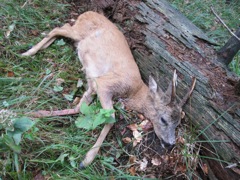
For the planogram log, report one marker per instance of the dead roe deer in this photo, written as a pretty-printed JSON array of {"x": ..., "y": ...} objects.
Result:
[{"x": 112, "y": 73}]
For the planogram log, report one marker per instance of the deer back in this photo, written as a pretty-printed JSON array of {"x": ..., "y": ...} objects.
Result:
[{"x": 105, "y": 54}]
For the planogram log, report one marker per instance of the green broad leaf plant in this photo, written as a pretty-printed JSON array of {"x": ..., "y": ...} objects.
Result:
[
  {"x": 11, "y": 131},
  {"x": 93, "y": 116}
]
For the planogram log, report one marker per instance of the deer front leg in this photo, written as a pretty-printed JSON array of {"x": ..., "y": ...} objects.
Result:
[{"x": 91, "y": 154}]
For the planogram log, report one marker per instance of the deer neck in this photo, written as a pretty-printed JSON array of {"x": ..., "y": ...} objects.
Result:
[{"x": 142, "y": 102}]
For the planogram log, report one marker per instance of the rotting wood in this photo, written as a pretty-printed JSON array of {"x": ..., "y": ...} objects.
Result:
[{"x": 230, "y": 49}]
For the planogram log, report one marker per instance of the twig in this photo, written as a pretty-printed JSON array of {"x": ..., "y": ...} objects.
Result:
[
  {"x": 28, "y": 1},
  {"x": 224, "y": 24}
]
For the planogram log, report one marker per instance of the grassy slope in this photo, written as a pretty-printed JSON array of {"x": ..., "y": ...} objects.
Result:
[{"x": 55, "y": 144}]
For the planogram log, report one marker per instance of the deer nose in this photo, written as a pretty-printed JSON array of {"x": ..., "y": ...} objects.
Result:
[{"x": 167, "y": 145}]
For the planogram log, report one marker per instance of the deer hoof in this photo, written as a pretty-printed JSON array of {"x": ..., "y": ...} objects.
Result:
[{"x": 81, "y": 166}]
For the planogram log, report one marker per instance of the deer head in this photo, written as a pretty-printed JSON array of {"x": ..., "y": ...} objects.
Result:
[{"x": 168, "y": 112}]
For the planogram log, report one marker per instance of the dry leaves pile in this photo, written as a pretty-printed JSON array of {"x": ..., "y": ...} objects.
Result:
[
  {"x": 137, "y": 130},
  {"x": 150, "y": 164}
]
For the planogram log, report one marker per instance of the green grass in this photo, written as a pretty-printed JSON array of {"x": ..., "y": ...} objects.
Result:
[
  {"x": 55, "y": 146},
  {"x": 199, "y": 12}
]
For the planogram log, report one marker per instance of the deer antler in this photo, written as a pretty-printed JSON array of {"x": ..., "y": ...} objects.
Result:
[
  {"x": 185, "y": 98},
  {"x": 174, "y": 84}
]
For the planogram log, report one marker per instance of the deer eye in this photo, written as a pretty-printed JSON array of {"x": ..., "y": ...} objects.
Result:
[{"x": 164, "y": 121}]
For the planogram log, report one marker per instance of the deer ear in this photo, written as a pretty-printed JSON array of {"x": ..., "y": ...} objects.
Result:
[{"x": 152, "y": 85}]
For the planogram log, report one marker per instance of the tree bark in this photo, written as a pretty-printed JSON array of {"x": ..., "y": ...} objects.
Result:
[
  {"x": 237, "y": 88},
  {"x": 229, "y": 50},
  {"x": 162, "y": 40}
]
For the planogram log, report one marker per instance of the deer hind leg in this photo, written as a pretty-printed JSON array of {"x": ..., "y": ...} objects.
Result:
[
  {"x": 65, "y": 31},
  {"x": 91, "y": 154},
  {"x": 87, "y": 98}
]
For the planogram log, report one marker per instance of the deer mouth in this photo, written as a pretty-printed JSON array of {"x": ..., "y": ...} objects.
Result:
[{"x": 166, "y": 145}]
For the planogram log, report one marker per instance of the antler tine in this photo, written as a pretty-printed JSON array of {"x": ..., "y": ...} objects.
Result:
[
  {"x": 185, "y": 98},
  {"x": 174, "y": 83}
]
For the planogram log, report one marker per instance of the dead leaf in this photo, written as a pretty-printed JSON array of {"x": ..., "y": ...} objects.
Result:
[
  {"x": 181, "y": 168},
  {"x": 7, "y": 34},
  {"x": 44, "y": 33},
  {"x": 35, "y": 32},
  {"x": 76, "y": 100},
  {"x": 134, "y": 143},
  {"x": 138, "y": 136},
  {"x": 156, "y": 161},
  {"x": 165, "y": 159},
  {"x": 213, "y": 28},
  {"x": 146, "y": 125},
  {"x": 39, "y": 176},
  {"x": 10, "y": 74},
  {"x": 132, "y": 159},
  {"x": 180, "y": 140},
  {"x": 127, "y": 140},
  {"x": 133, "y": 127},
  {"x": 132, "y": 170},
  {"x": 59, "y": 81},
  {"x": 143, "y": 123},
  {"x": 143, "y": 164},
  {"x": 182, "y": 114},
  {"x": 10, "y": 29},
  {"x": 140, "y": 116},
  {"x": 205, "y": 168}
]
